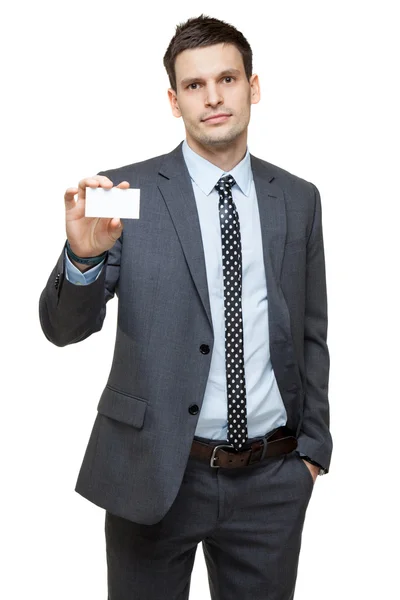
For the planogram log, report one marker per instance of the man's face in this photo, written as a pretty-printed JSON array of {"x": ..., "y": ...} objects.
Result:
[{"x": 211, "y": 81}]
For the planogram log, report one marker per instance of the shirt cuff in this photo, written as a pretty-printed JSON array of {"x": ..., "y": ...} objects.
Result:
[
  {"x": 75, "y": 276},
  {"x": 322, "y": 471}
]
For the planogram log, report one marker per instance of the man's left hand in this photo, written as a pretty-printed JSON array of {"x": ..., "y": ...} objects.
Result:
[{"x": 312, "y": 468}]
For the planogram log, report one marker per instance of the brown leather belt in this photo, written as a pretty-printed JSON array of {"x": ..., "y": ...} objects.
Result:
[{"x": 280, "y": 441}]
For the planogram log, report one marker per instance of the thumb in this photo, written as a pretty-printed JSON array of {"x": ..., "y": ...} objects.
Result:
[{"x": 116, "y": 228}]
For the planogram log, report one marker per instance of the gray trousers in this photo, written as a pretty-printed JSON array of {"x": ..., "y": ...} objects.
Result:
[{"x": 249, "y": 521}]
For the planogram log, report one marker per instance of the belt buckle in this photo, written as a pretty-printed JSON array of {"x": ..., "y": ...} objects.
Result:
[{"x": 214, "y": 452}]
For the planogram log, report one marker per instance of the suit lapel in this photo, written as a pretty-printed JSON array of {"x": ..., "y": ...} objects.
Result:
[
  {"x": 176, "y": 188},
  {"x": 271, "y": 206}
]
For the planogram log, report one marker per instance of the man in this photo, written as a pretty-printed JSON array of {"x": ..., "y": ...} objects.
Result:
[{"x": 214, "y": 422}]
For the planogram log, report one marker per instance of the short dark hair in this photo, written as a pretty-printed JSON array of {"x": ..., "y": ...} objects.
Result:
[{"x": 202, "y": 31}]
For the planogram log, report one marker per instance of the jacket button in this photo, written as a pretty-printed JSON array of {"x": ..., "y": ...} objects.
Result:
[
  {"x": 193, "y": 409},
  {"x": 204, "y": 348}
]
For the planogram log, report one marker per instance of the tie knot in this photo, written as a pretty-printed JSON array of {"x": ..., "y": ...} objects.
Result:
[{"x": 225, "y": 183}]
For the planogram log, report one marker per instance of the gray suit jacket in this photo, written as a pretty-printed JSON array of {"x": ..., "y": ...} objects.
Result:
[{"x": 147, "y": 414}]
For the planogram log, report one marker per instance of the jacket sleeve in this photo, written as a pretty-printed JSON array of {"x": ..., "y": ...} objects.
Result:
[
  {"x": 70, "y": 313},
  {"x": 315, "y": 439}
]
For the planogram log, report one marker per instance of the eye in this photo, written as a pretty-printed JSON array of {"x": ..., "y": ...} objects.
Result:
[
  {"x": 190, "y": 85},
  {"x": 229, "y": 77}
]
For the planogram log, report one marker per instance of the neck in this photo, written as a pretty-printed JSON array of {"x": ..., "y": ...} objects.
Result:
[{"x": 225, "y": 157}]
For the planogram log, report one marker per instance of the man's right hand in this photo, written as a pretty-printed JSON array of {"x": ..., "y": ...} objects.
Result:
[{"x": 90, "y": 236}]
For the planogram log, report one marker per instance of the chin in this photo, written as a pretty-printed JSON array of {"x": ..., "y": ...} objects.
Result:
[{"x": 219, "y": 138}]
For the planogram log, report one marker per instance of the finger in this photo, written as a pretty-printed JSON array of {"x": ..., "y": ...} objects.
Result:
[
  {"x": 83, "y": 184},
  {"x": 93, "y": 182},
  {"x": 103, "y": 180},
  {"x": 123, "y": 185},
  {"x": 88, "y": 182},
  {"x": 115, "y": 228},
  {"x": 69, "y": 198}
]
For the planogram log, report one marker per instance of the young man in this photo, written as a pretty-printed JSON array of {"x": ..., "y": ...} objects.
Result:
[{"x": 214, "y": 422}]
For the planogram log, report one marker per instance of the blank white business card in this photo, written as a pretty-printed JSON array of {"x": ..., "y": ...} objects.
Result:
[{"x": 112, "y": 203}]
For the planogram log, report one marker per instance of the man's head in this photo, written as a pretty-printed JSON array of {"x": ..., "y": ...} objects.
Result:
[{"x": 209, "y": 64}]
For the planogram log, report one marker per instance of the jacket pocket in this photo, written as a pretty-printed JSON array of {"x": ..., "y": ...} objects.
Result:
[
  {"x": 122, "y": 407},
  {"x": 304, "y": 467}
]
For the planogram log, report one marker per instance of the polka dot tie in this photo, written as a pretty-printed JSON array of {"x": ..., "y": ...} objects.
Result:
[{"x": 232, "y": 278}]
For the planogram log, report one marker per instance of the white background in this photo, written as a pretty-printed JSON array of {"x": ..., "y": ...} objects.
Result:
[{"x": 84, "y": 90}]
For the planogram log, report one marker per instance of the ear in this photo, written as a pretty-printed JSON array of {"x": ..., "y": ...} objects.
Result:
[
  {"x": 255, "y": 92},
  {"x": 173, "y": 99}
]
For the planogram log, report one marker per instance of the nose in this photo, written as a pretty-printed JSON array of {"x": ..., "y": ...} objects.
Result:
[{"x": 213, "y": 96}]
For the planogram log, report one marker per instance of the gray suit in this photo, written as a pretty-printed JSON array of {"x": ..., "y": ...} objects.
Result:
[{"x": 135, "y": 459}]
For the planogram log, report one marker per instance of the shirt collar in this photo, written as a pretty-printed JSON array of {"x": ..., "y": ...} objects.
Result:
[{"x": 206, "y": 175}]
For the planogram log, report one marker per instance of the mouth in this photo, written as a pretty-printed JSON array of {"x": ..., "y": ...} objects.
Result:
[{"x": 220, "y": 118}]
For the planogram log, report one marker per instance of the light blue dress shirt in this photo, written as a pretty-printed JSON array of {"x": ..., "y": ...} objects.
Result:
[
  {"x": 265, "y": 408},
  {"x": 74, "y": 275}
]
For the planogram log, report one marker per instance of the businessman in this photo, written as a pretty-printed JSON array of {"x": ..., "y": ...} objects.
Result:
[{"x": 214, "y": 421}]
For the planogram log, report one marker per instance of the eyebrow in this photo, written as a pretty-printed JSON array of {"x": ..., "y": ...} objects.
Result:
[{"x": 224, "y": 73}]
